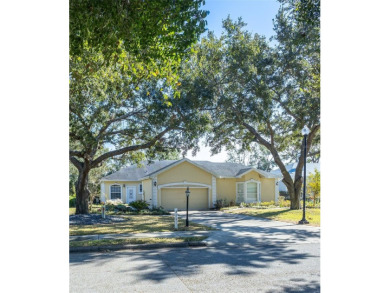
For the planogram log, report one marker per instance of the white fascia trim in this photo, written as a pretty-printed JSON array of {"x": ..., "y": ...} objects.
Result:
[
  {"x": 119, "y": 180},
  {"x": 262, "y": 173},
  {"x": 184, "y": 183}
]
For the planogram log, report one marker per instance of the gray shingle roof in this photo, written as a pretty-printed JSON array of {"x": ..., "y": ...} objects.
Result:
[{"x": 133, "y": 173}]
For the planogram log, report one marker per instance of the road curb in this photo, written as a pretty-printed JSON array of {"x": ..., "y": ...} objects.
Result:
[{"x": 102, "y": 248}]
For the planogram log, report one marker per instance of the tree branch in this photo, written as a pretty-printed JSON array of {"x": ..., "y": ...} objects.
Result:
[
  {"x": 109, "y": 122},
  {"x": 271, "y": 132},
  {"x": 129, "y": 148},
  {"x": 76, "y": 163},
  {"x": 286, "y": 176},
  {"x": 76, "y": 154},
  {"x": 288, "y": 111}
]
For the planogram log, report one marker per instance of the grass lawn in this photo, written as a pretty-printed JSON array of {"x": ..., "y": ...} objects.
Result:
[
  {"x": 134, "y": 241},
  {"x": 72, "y": 211},
  {"x": 136, "y": 224},
  {"x": 281, "y": 214}
]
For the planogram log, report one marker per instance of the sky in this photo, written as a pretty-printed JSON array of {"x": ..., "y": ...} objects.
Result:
[{"x": 258, "y": 15}]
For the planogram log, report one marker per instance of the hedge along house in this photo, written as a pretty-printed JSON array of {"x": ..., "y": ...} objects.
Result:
[{"x": 163, "y": 183}]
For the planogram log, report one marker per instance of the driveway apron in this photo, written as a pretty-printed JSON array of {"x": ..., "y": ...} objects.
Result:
[{"x": 244, "y": 231}]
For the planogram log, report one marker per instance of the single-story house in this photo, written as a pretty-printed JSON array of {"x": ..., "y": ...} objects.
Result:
[{"x": 163, "y": 183}]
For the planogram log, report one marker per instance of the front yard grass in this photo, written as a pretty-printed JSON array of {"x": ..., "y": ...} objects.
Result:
[
  {"x": 136, "y": 224},
  {"x": 134, "y": 241},
  {"x": 281, "y": 214}
]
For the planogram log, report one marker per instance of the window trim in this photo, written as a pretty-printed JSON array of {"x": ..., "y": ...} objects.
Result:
[
  {"x": 246, "y": 190},
  {"x": 244, "y": 193},
  {"x": 116, "y": 184}
]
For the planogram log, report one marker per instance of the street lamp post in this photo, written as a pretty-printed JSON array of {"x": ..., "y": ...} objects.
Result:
[
  {"x": 305, "y": 132},
  {"x": 187, "y": 195}
]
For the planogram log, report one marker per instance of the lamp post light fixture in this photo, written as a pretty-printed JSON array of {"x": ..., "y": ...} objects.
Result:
[
  {"x": 305, "y": 132},
  {"x": 187, "y": 195}
]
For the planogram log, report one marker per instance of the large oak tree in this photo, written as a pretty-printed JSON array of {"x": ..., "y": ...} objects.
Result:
[
  {"x": 124, "y": 94},
  {"x": 257, "y": 93}
]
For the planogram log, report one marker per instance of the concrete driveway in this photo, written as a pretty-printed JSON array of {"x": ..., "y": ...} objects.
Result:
[
  {"x": 245, "y": 255},
  {"x": 244, "y": 231}
]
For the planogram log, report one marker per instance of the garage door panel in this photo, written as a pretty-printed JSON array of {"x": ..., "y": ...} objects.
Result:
[{"x": 172, "y": 198}]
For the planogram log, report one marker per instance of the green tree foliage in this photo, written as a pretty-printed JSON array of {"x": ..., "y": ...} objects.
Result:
[
  {"x": 135, "y": 120},
  {"x": 307, "y": 12},
  {"x": 256, "y": 156},
  {"x": 314, "y": 185},
  {"x": 261, "y": 94},
  {"x": 150, "y": 30},
  {"x": 124, "y": 56}
]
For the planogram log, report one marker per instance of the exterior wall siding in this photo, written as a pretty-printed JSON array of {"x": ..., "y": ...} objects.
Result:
[
  {"x": 147, "y": 190},
  {"x": 107, "y": 185},
  {"x": 267, "y": 189},
  {"x": 226, "y": 189},
  {"x": 184, "y": 172},
  {"x": 253, "y": 175}
]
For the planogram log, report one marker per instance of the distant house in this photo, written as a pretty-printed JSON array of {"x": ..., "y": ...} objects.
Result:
[
  {"x": 163, "y": 183},
  {"x": 310, "y": 167}
]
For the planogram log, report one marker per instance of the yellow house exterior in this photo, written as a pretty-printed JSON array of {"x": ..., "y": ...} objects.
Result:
[{"x": 164, "y": 184}]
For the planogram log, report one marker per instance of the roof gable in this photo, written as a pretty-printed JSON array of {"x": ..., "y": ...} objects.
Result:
[{"x": 178, "y": 163}]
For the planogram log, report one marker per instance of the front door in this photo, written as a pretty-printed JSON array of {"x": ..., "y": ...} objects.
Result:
[{"x": 130, "y": 194}]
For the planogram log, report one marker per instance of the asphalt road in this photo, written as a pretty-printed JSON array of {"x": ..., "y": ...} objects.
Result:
[{"x": 256, "y": 256}]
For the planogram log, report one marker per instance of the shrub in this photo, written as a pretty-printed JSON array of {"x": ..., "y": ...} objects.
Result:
[
  {"x": 244, "y": 205},
  {"x": 218, "y": 204},
  {"x": 114, "y": 202},
  {"x": 139, "y": 205},
  {"x": 72, "y": 201},
  {"x": 312, "y": 204},
  {"x": 267, "y": 203},
  {"x": 284, "y": 203},
  {"x": 154, "y": 211},
  {"x": 221, "y": 203},
  {"x": 120, "y": 208},
  {"x": 111, "y": 205}
]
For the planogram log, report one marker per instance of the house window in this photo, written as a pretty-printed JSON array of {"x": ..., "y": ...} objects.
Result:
[
  {"x": 251, "y": 191},
  {"x": 248, "y": 191},
  {"x": 240, "y": 192},
  {"x": 140, "y": 188},
  {"x": 115, "y": 192}
]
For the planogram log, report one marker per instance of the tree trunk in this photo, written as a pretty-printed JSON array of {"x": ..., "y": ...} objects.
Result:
[
  {"x": 294, "y": 191},
  {"x": 82, "y": 192}
]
